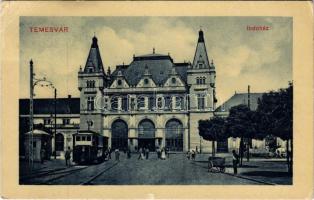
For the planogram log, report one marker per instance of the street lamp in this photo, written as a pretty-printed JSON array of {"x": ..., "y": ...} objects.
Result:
[{"x": 34, "y": 82}]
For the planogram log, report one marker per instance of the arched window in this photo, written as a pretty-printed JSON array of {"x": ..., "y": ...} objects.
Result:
[
  {"x": 119, "y": 135},
  {"x": 173, "y": 80},
  {"x": 141, "y": 103},
  {"x": 146, "y": 134},
  {"x": 119, "y": 82},
  {"x": 197, "y": 81},
  {"x": 146, "y": 81},
  {"x": 146, "y": 129},
  {"x": 114, "y": 103},
  {"x": 174, "y": 135},
  {"x": 160, "y": 102}
]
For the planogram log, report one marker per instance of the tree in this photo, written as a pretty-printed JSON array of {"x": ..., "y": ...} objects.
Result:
[
  {"x": 241, "y": 122},
  {"x": 212, "y": 130},
  {"x": 275, "y": 109}
]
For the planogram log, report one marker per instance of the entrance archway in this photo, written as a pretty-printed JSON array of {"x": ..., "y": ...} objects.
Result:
[
  {"x": 119, "y": 135},
  {"x": 59, "y": 142},
  {"x": 174, "y": 135},
  {"x": 222, "y": 146},
  {"x": 146, "y": 134}
]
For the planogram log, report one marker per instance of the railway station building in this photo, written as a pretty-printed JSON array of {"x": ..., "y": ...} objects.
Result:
[{"x": 151, "y": 102}]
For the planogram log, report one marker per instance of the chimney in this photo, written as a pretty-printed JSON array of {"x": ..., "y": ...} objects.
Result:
[
  {"x": 69, "y": 96},
  {"x": 248, "y": 97}
]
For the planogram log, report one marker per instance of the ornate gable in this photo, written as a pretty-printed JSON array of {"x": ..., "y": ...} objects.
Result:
[
  {"x": 147, "y": 80},
  {"x": 174, "y": 80},
  {"x": 120, "y": 81}
]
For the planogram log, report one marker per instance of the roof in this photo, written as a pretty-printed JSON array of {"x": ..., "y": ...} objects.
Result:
[
  {"x": 240, "y": 98},
  {"x": 94, "y": 59},
  {"x": 158, "y": 65},
  {"x": 182, "y": 69},
  {"x": 200, "y": 53},
  {"x": 46, "y": 106},
  {"x": 38, "y": 132}
]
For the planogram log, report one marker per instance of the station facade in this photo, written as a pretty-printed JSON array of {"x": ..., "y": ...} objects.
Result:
[{"x": 151, "y": 102}]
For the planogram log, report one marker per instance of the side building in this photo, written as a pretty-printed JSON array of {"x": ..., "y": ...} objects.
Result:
[
  {"x": 233, "y": 143},
  {"x": 67, "y": 121}
]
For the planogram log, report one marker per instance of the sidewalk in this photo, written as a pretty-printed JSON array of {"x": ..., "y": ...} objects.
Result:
[{"x": 271, "y": 171}]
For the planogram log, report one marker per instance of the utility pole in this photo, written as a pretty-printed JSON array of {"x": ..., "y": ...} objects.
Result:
[
  {"x": 55, "y": 126},
  {"x": 248, "y": 97},
  {"x": 248, "y": 139},
  {"x": 32, "y": 85},
  {"x": 31, "y": 139}
]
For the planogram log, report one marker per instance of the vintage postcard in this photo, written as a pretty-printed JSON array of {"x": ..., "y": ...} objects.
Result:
[{"x": 120, "y": 99}]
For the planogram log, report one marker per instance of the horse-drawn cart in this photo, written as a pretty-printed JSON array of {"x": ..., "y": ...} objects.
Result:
[{"x": 216, "y": 162}]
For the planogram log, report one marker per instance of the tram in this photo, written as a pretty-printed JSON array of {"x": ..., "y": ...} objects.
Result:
[{"x": 88, "y": 147}]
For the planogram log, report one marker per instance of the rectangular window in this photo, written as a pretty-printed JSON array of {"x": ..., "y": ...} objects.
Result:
[
  {"x": 66, "y": 121},
  {"x": 78, "y": 138},
  {"x": 141, "y": 103},
  {"x": 83, "y": 138},
  {"x": 132, "y": 103},
  {"x": 167, "y": 103},
  {"x": 90, "y": 103},
  {"x": 179, "y": 103},
  {"x": 88, "y": 138},
  {"x": 106, "y": 104},
  {"x": 124, "y": 104},
  {"x": 200, "y": 102},
  {"x": 151, "y": 103},
  {"x": 47, "y": 121}
]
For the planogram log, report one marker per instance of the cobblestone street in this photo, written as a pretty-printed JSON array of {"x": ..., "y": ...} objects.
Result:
[{"x": 176, "y": 170}]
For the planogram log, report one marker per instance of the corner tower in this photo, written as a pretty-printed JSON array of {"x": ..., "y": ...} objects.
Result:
[
  {"x": 201, "y": 78},
  {"x": 91, "y": 82}
]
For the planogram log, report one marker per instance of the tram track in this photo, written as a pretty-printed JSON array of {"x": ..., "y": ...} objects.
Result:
[
  {"x": 90, "y": 180},
  {"x": 62, "y": 175},
  {"x": 41, "y": 173},
  {"x": 87, "y": 178}
]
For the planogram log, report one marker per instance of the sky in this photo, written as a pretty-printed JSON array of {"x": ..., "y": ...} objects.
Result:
[{"x": 261, "y": 59}]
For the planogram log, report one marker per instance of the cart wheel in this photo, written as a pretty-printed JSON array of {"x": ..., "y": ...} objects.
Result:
[
  {"x": 222, "y": 169},
  {"x": 210, "y": 165}
]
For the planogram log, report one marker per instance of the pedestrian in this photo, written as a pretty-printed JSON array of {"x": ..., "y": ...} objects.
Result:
[
  {"x": 67, "y": 157},
  {"x": 128, "y": 153},
  {"x": 42, "y": 155},
  {"x": 188, "y": 154},
  {"x": 158, "y": 153},
  {"x": 147, "y": 153},
  {"x": 163, "y": 154},
  {"x": 109, "y": 153},
  {"x": 193, "y": 155},
  {"x": 140, "y": 152},
  {"x": 106, "y": 154},
  {"x": 167, "y": 152},
  {"x": 117, "y": 154},
  {"x": 235, "y": 161}
]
